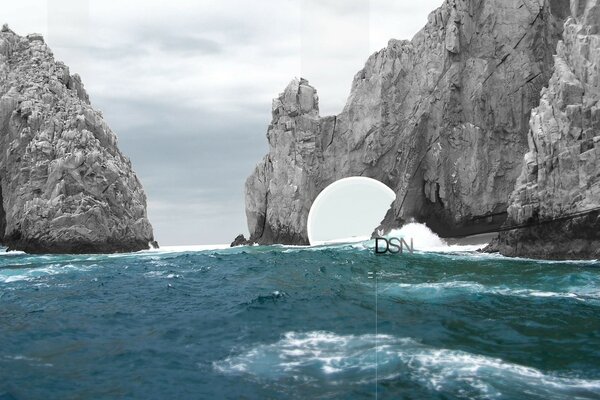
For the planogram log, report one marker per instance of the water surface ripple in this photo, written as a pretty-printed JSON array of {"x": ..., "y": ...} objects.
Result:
[{"x": 298, "y": 323}]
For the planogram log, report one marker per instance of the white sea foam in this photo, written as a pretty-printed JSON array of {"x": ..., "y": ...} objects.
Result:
[
  {"x": 27, "y": 268},
  {"x": 162, "y": 274},
  {"x": 351, "y": 359},
  {"x": 33, "y": 361},
  {"x": 185, "y": 249},
  {"x": 424, "y": 239},
  {"x": 4, "y": 253},
  {"x": 32, "y": 274},
  {"x": 430, "y": 290}
]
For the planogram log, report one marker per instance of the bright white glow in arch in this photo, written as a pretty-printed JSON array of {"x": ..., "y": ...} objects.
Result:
[{"x": 348, "y": 210}]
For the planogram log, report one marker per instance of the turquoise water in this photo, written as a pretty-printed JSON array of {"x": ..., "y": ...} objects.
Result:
[{"x": 294, "y": 323}]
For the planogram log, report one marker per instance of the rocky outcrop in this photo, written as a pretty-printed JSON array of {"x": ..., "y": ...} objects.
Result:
[
  {"x": 556, "y": 203},
  {"x": 64, "y": 185},
  {"x": 277, "y": 205},
  {"x": 441, "y": 119},
  {"x": 240, "y": 240}
]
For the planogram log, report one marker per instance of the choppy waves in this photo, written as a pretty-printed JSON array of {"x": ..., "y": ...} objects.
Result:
[
  {"x": 458, "y": 288},
  {"x": 299, "y": 322},
  {"x": 319, "y": 357}
]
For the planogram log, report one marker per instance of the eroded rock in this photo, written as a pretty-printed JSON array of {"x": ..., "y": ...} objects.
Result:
[
  {"x": 65, "y": 186},
  {"x": 441, "y": 119},
  {"x": 560, "y": 180}
]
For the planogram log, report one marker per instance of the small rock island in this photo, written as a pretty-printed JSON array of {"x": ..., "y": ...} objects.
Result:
[{"x": 64, "y": 185}]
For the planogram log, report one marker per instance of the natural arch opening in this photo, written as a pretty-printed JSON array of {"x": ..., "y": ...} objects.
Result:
[{"x": 348, "y": 210}]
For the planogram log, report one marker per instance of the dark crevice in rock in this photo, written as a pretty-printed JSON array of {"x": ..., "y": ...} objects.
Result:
[
  {"x": 561, "y": 8},
  {"x": 2, "y": 216},
  {"x": 333, "y": 131},
  {"x": 554, "y": 207}
]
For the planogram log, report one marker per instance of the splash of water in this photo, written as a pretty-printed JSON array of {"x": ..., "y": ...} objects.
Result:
[{"x": 424, "y": 239}]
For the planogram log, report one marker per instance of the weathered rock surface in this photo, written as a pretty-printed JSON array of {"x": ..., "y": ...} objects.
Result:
[
  {"x": 64, "y": 185},
  {"x": 560, "y": 177},
  {"x": 240, "y": 240},
  {"x": 441, "y": 119}
]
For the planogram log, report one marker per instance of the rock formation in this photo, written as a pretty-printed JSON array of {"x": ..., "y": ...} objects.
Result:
[
  {"x": 441, "y": 119},
  {"x": 64, "y": 185},
  {"x": 556, "y": 202},
  {"x": 240, "y": 240}
]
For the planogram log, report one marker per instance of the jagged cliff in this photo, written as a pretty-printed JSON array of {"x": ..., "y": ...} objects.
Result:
[
  {"x": 441, "y": 119},
  {"x": 560, "y": 180},
  {"x": 64, "y": 184}
]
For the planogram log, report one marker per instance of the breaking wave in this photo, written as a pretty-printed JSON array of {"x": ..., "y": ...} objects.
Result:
[{"x": 319, "y": 357}]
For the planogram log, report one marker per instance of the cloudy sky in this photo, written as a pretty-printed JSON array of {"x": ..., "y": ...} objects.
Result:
[{"x": 187, "y": 85}]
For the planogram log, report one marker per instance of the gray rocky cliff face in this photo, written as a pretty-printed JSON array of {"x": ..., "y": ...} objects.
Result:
[
  {"x": 276, "y": 202},
  {"x": 560, "y": 178},
  {"x": 441, "y": 119},
  {"x": 64, "y": 185}
]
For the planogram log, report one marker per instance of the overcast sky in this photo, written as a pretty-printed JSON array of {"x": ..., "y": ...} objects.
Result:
[{"x": 187, "y": 85}]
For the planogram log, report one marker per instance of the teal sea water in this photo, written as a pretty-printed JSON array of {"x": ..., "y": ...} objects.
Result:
[{"x": 332, "y": 322}]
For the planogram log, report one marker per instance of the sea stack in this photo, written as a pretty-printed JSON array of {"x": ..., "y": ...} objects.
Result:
[
  {"x": 441, "y": 119},
  {"x": 556, "y": 202},
  {"x": 65, "y": 186}
]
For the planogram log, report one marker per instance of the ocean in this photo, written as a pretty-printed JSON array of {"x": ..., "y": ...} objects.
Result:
[{"x": 276, "y": 322}]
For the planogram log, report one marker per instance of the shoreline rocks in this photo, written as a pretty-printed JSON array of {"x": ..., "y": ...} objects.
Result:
[
  {"x": 560, "y": 177},
  {"x": 240, "y": 240}
]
